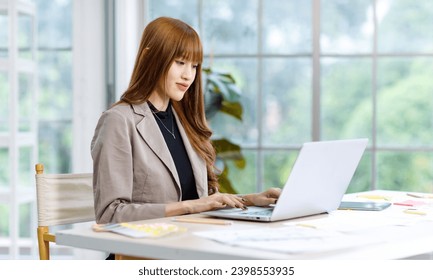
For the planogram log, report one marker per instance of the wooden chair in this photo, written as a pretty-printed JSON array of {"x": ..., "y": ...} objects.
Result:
[{"x": 62, "y": 199}]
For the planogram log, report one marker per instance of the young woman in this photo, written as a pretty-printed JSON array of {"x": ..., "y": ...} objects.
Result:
[{"x": 152, "y": 155}]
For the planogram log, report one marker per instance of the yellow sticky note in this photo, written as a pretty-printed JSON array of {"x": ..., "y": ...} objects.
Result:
[
  {"x": 373, "y": 196},
  {"x": 415, "y": 212}
]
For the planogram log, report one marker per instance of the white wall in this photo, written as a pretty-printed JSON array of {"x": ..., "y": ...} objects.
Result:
[{"x": 88, "y": 77}]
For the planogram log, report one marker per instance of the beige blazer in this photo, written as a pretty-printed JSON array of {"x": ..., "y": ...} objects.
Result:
[{"x": 134, "y": 175}]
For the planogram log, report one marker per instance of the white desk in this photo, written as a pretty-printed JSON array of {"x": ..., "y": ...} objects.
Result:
[{"x": 396, "y": 241}]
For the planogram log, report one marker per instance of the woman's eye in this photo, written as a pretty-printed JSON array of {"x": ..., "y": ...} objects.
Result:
[{"x": 180, "y": 62}]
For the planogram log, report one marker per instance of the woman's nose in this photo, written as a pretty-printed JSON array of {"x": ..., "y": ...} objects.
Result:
[{"x": 187, "y": 73}]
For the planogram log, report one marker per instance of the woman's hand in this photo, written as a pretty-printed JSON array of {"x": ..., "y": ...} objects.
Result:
[
  {"x": 215, "y": 201},
  {"x": 265, "y": 198},
  {"x": 222, "y": 200},
  {"x": 212, "y": 202}
]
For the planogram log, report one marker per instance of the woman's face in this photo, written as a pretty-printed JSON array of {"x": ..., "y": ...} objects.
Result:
[{"x": 179, "y": 78}]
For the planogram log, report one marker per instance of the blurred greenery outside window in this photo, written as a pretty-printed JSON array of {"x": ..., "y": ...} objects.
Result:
[
  {"x": 374, "y": 74},
  {"x": 54, "y": 64},
  {"x": 55, "y": 110},
  {"x": 55, "y": 84}
]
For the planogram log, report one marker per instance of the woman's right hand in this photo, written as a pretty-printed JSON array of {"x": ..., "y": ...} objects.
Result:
[
  {"x": 215, "y": 201},
  {"x": 212, "y": 202}
]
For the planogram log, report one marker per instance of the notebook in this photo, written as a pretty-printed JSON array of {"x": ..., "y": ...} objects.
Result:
[{"x": 317, "y": 183}]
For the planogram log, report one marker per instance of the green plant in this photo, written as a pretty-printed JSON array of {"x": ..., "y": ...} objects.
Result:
[{"x": 221, "y": 94}]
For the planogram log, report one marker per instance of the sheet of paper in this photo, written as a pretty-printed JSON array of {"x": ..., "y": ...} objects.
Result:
[
  {"x": 288, "y": 239},
  {"x": 349, "y": 221},
  {"x": 340, "y": 229}
]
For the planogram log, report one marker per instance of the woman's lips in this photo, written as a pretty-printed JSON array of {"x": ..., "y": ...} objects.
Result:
[{"x": 182, "y": 87}]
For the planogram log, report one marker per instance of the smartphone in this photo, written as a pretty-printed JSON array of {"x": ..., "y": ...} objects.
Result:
[{"x": 364, "y": 205}]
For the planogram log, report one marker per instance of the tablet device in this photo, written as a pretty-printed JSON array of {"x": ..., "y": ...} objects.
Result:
[{"x": 364, "y": 205}]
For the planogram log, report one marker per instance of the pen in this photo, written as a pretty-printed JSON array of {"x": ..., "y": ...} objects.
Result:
[
  {"x": 402, "y": 204},
  {"x": 419, "y": 195},
  {"x": 202, "y": 221},
  {"x": 306, "y": 225}
]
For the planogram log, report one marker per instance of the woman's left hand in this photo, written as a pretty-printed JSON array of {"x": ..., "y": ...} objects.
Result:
[{"x": 265, "y": 198}]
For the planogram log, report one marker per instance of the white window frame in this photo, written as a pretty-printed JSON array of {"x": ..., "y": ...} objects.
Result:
[
  {"x": 130, "y": 19},
  {"x": 89, "y": 92},
  {"x": 88, "y": 103},
  {"x": 14, "y": 140}
]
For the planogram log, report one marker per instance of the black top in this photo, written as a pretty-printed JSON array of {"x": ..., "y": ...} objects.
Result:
[{"x": 168, "y": 126}]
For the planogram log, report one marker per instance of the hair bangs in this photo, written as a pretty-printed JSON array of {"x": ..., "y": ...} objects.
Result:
[{"x": 190, "y": 48}]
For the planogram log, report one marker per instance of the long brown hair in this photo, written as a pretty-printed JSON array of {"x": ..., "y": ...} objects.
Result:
[{"x": 164, "y": 40}]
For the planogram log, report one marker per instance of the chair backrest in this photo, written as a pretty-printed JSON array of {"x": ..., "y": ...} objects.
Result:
[{"x": 61, "y": 199}]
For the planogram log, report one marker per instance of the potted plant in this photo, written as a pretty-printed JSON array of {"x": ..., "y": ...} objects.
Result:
[{"x": 222, "y": 95}]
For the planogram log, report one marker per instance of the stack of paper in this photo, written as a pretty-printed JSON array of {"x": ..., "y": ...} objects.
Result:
[{"x": 154, "y": 230}]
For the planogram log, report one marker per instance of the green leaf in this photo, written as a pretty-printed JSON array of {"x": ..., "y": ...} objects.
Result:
[
  {"x": 233, "y": 109},
  {"x": 213, "y": 104},
  {"x": 222, "y": 83},
  {"x": 228, "y": 151},
  {"x": 225, "y": 184}
]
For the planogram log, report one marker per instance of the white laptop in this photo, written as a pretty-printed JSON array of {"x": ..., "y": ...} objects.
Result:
[{"x": 318, "y": 180}]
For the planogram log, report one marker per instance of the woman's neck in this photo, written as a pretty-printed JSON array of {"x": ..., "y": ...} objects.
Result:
[{"x": 160, "y": 103}]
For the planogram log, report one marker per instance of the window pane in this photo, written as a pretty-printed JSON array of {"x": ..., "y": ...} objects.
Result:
[
  {"x": 25, "y": 223},
  {"x": 346, "y": 26},
  {"x": 405, "y": 26},
  {"x": 361, "y": 180},
  {"x": 5, "y": 170},
  {"x": 4, "y": 104},
  {"x": 230, "y": 27},
  {"x": 55, "y": 85},
  {"x": 286, "y": 26},
  {"x": 405, "y": 171},
  {"x": 4, "y": 252},
  {"x": 55, "y": 110},
  {"x": 185, "y": 10},
  {"x": 54, "y": 24},
  {"x": 25, "y": 252},
  {"x": 244, "y": 180},
  {"x": 25, "y": 36},
  {"x": 405, "y": 102},
  {"x": 346, "y": 106},
  {"x": 55, "y": 98},
  {"x": 4, "y": 35},
  {"x": 286, "y": 106},
  {"x": 244, "y": 72},
  {"x": 25, "y": 99},
  {"x": 55, "y": 146},
  {"x": 277, "y": 166},
  {"x": 25, "y": 171},
  {"x": 4, "y": 220}
]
